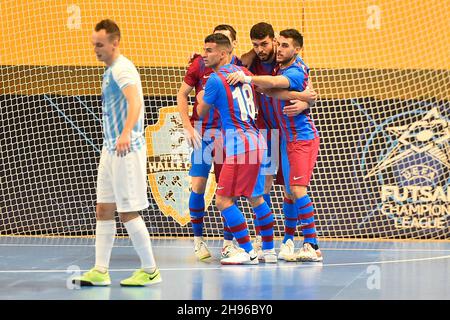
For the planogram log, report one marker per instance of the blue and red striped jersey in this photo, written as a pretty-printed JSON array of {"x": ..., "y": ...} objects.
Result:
[
  {"x": 300, "y": 127},
  {"x": 196, "y": 76},
  {"x": 266, "y": 118},
  {"x": 236, "y": 106}
]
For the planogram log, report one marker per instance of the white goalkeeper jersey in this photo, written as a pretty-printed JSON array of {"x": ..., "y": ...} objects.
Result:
[{"x": 114, "y": 105}]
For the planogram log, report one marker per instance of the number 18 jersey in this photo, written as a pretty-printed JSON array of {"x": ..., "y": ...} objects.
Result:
[{"x": 236, "y": 106}]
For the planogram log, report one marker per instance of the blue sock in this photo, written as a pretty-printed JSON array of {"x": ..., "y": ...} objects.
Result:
[
  {"x": 197, "y": 212},
  {"x": 236, "y": 222},
  {"x": 306, "y": 216},
  {"x": 265, "y": 222},
  {"x": 266, "y": 197},
  {"x": 290, "y": 219},
  {"x": 227, "y": 234}
]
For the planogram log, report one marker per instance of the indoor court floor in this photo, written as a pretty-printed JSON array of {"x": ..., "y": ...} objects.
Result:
[{"x": 33, "y": 268}]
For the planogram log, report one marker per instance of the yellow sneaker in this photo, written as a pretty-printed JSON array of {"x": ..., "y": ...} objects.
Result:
[
  {"x": 93, "y": 278},
  {"x": 140, "y": 278}
]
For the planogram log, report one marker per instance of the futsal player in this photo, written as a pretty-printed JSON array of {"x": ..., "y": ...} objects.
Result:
[
  {"x": 121, "y": 183},
  {"x": 203, "y": 134},
  {"x": 244, "y": 147},
  {"x": 264, "y": 61},
  {"x": 300, "y": 142}
]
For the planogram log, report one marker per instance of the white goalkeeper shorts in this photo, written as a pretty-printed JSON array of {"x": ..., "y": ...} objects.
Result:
[{"x": 123, "y": 180}]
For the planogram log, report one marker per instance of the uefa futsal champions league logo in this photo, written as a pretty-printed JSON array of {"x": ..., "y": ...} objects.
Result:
[
  {"x": 413, "y": 170},
  {"x": 168, "y": 163}
]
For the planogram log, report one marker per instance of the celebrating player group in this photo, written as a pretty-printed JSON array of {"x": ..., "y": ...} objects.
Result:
[{"x": 251, "y": 119}]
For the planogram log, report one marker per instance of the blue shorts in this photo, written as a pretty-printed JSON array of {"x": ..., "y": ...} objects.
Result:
[
  {"x": 271, "y": 160},
  {"x": 258, "y": 190},
  {"x": 203, "y": 158}
]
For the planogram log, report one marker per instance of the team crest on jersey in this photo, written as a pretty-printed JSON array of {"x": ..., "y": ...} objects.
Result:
[{"x": 168, "y": 163}]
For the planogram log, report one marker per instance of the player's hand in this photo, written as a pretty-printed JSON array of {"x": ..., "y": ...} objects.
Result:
[
  {"x": 193, "y": 138},
  {"x": 192, "y": 58},
  {"x": 297, "y": 107},
  {"x": 236, "y": 77},
  {"x": 247, "y": 58},
  {"x": 123, "y": 144},
  {"x": 310, "y": 95}
]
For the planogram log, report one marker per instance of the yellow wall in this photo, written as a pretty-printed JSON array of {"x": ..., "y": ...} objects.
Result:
[{"x": 412, "y": 34}]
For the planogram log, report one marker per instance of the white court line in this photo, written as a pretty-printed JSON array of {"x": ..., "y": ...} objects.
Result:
[
  {"x": 190, "y": 247},
  {"x": 262, "y": 266}
]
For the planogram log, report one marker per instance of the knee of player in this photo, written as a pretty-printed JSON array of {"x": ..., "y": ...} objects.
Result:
[
  {"x": 256, "y": 201},
  {"x": 299, "y": 191},
  {"x": 223, "y": 202},
  {"x": 105, "y": 212},
  {"x": 128, "y": 216},
  {"x": 199, "y": 184}
]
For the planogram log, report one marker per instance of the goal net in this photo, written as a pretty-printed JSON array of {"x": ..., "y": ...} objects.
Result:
[{"x": 381, "y": 69}]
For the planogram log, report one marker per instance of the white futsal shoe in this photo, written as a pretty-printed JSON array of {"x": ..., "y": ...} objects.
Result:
[
  {"x": 269, "y": 256},
  {"x": 257, "y": 246},
  {"x": 229, "y": 250},
  {"x": 241, "y": 257},
  {"x": 287, "y": 250},
  {"x": 201, "y": 250},
  {"x": 308, "y": 254}
]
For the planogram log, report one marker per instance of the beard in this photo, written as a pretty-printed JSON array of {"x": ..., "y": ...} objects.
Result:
[{"x": 266, "y": 56}]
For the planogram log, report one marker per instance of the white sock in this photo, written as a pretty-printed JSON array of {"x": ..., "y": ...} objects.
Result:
[
  {"x": 104, "y": 240},
  {"x": 141, "y": 241}
]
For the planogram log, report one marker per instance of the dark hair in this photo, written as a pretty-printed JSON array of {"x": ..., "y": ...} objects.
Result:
[
  {"x": 111, "y": 28},
  {"x": 294, "y": 35},
  {"x": 226, "y": 27},
  {"x": 220, "y": 39},
  {"x": 261, "y": 30}
]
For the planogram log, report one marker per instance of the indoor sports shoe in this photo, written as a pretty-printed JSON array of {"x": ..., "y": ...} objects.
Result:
[
  {"x": 93, "y": 277},
  {"x": 201, "y": 250},
  {"x": 270, "y": 256},
  {"x": 308, "y": 254},
  {"x": 286, "y": 250},
  {"x": 229, "y": 250},
  {"x": 241, "y": 257},
  {"x": 140, "y": 278},
  {"x": 257, "y": 246}
]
